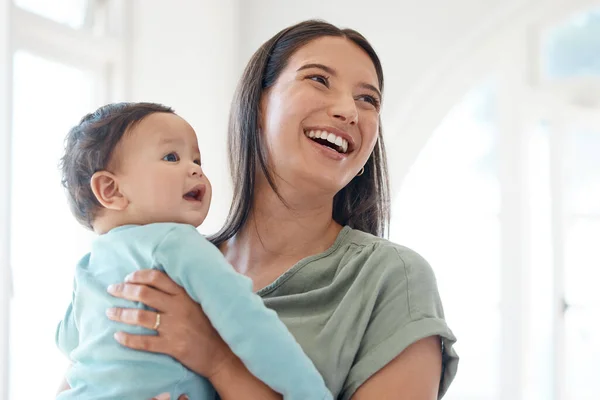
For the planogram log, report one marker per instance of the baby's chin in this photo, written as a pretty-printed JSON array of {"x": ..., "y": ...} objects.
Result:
[{"x": 194, "y": 220}]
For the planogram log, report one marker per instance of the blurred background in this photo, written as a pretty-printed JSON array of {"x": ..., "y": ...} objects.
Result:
[{"x": 492, "y": 124}]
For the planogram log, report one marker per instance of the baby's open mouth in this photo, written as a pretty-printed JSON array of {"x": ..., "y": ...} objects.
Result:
[{"x": 196, "y": 194}]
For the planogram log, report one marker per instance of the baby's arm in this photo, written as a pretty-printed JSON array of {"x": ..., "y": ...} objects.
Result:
[
  {"x": 252, "y": 331},
  {"x": 67, "y": 334}
]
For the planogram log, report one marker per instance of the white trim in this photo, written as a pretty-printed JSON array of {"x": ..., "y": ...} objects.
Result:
[
  {"x": 577, "y": 115},
  {"x": 580, "y": 96},
  {"x": 5, "y": 174},
  {"x": 556, "y": 142},
  {"x": 560, "y": 11},
  {"x": 514, "y": 222},
  {"x": 119, "y": 74},
  {"x": 59, "y": 42}
]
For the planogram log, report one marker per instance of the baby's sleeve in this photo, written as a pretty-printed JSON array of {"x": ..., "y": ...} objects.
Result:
[
  {"x": 406, "y": 309},
  {"x": 67, "y": 334},
  {"x": 253, "y": 332}
]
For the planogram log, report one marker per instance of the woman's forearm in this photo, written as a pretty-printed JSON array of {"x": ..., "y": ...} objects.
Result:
[{"x": 233, "y": 381}]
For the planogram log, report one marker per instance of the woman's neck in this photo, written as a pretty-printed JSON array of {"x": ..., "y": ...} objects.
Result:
[{"x": 279, "y": 235}]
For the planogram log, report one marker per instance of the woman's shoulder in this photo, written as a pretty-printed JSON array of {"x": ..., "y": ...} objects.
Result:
[
  {"x": 379, "y": 264},
  {"x": 380, "y": 252}
]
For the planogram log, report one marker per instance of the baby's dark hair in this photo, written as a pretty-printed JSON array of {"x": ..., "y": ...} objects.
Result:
[{"x": 89, "y": 147}]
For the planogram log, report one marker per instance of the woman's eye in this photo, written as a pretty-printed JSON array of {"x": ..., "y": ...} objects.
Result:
[
  {"x": 371, "y": 100},
  {"x": 171, "y": 157},
  {"x": 320, "y": 79}
]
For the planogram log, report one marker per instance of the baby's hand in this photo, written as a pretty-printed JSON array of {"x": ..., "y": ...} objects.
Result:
[{"x": 167, "y": 396}]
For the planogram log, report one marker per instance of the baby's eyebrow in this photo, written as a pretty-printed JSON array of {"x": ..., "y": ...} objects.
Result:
[{"x": 169, "y": 140}]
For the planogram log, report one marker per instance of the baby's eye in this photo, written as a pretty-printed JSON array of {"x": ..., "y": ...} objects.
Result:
[
  {"x": 171, "y": 157},
  {"x": 198, "y": 162}
]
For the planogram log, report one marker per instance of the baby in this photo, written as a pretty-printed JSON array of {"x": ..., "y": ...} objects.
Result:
[{"x": 133, "y": 174}]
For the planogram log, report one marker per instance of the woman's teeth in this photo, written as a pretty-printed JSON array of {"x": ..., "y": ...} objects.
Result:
[{"x": 340, "y": 143}]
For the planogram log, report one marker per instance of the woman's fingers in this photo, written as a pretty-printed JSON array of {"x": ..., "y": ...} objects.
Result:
[
  {"x": 166, "y": 396},
  {"x": 154, "y": 278},
  {"x": 147, "y": 295},
  {"x": 134, "y": 316}
]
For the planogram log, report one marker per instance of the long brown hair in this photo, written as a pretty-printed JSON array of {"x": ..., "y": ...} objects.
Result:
[{"x": 363, "y": 204}]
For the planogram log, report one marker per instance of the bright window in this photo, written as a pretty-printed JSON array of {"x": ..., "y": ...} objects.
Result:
[
  {"x": 55, "y": 83},
  {"x": 46, "y": 240},
  {"x": 582, "y": 263},
  {"x": 447, "y": 210},
  {"x": 572, "y": 49}
]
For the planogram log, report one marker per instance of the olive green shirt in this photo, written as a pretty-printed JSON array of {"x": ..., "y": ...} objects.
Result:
[{"x": 358, "y": 305}]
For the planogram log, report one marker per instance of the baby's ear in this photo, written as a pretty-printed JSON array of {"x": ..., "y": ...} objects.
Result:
[{"x": 106, "y": 189}]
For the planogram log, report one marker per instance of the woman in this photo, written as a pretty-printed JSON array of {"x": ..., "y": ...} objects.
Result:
[{"x": 310, "y": 205}]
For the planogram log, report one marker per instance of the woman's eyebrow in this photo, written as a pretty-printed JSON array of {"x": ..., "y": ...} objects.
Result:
[
  {"x": 325, "y": 68},
  {"x": 368, "y": 86}
]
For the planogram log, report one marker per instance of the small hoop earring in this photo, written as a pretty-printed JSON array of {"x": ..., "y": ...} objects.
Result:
[{"x": 362, "y": 171}]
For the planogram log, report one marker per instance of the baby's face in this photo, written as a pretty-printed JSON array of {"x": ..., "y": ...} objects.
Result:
[{"x": 159, "y": 172}]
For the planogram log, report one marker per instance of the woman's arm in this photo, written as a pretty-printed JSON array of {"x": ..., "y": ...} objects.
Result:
[
  {"x": 246, "y": 385},
  {"x": 414, "y": 374},
  {"x": 185, "y": 333}
]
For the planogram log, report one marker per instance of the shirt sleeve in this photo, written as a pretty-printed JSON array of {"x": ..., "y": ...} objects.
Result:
[
  {"x": 67, "y": 333},
  {"x": 252, "y": 331},
  {"x": 406, "y": 307}
]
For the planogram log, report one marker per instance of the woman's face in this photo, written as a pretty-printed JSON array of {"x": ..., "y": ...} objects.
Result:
[{"x": 320, "y": 119}]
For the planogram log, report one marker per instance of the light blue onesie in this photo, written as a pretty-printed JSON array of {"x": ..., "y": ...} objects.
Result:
[{"x": 103, "y": 369}]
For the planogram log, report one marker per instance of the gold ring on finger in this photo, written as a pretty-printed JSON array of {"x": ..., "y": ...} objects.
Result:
[{"x": 157, "y": 323}]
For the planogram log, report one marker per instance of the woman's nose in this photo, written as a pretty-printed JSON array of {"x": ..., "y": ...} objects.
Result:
[{"x": 344, "y": 109}]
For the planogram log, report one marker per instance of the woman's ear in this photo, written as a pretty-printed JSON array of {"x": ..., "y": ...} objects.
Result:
[{"x": 106, "y": 189}]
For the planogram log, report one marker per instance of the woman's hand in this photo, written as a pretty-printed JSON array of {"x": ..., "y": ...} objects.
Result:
[
  {"x": 167, "y": 396},
  {"x": 184, "y": 331}
]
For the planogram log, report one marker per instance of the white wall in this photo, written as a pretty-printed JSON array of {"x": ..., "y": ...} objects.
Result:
[{"x": 184, "y": 55}]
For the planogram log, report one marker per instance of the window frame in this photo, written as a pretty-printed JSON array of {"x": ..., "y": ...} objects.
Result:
[
  {"x": 5, "y": 173},
  {"x": 561, "y": 103}
]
